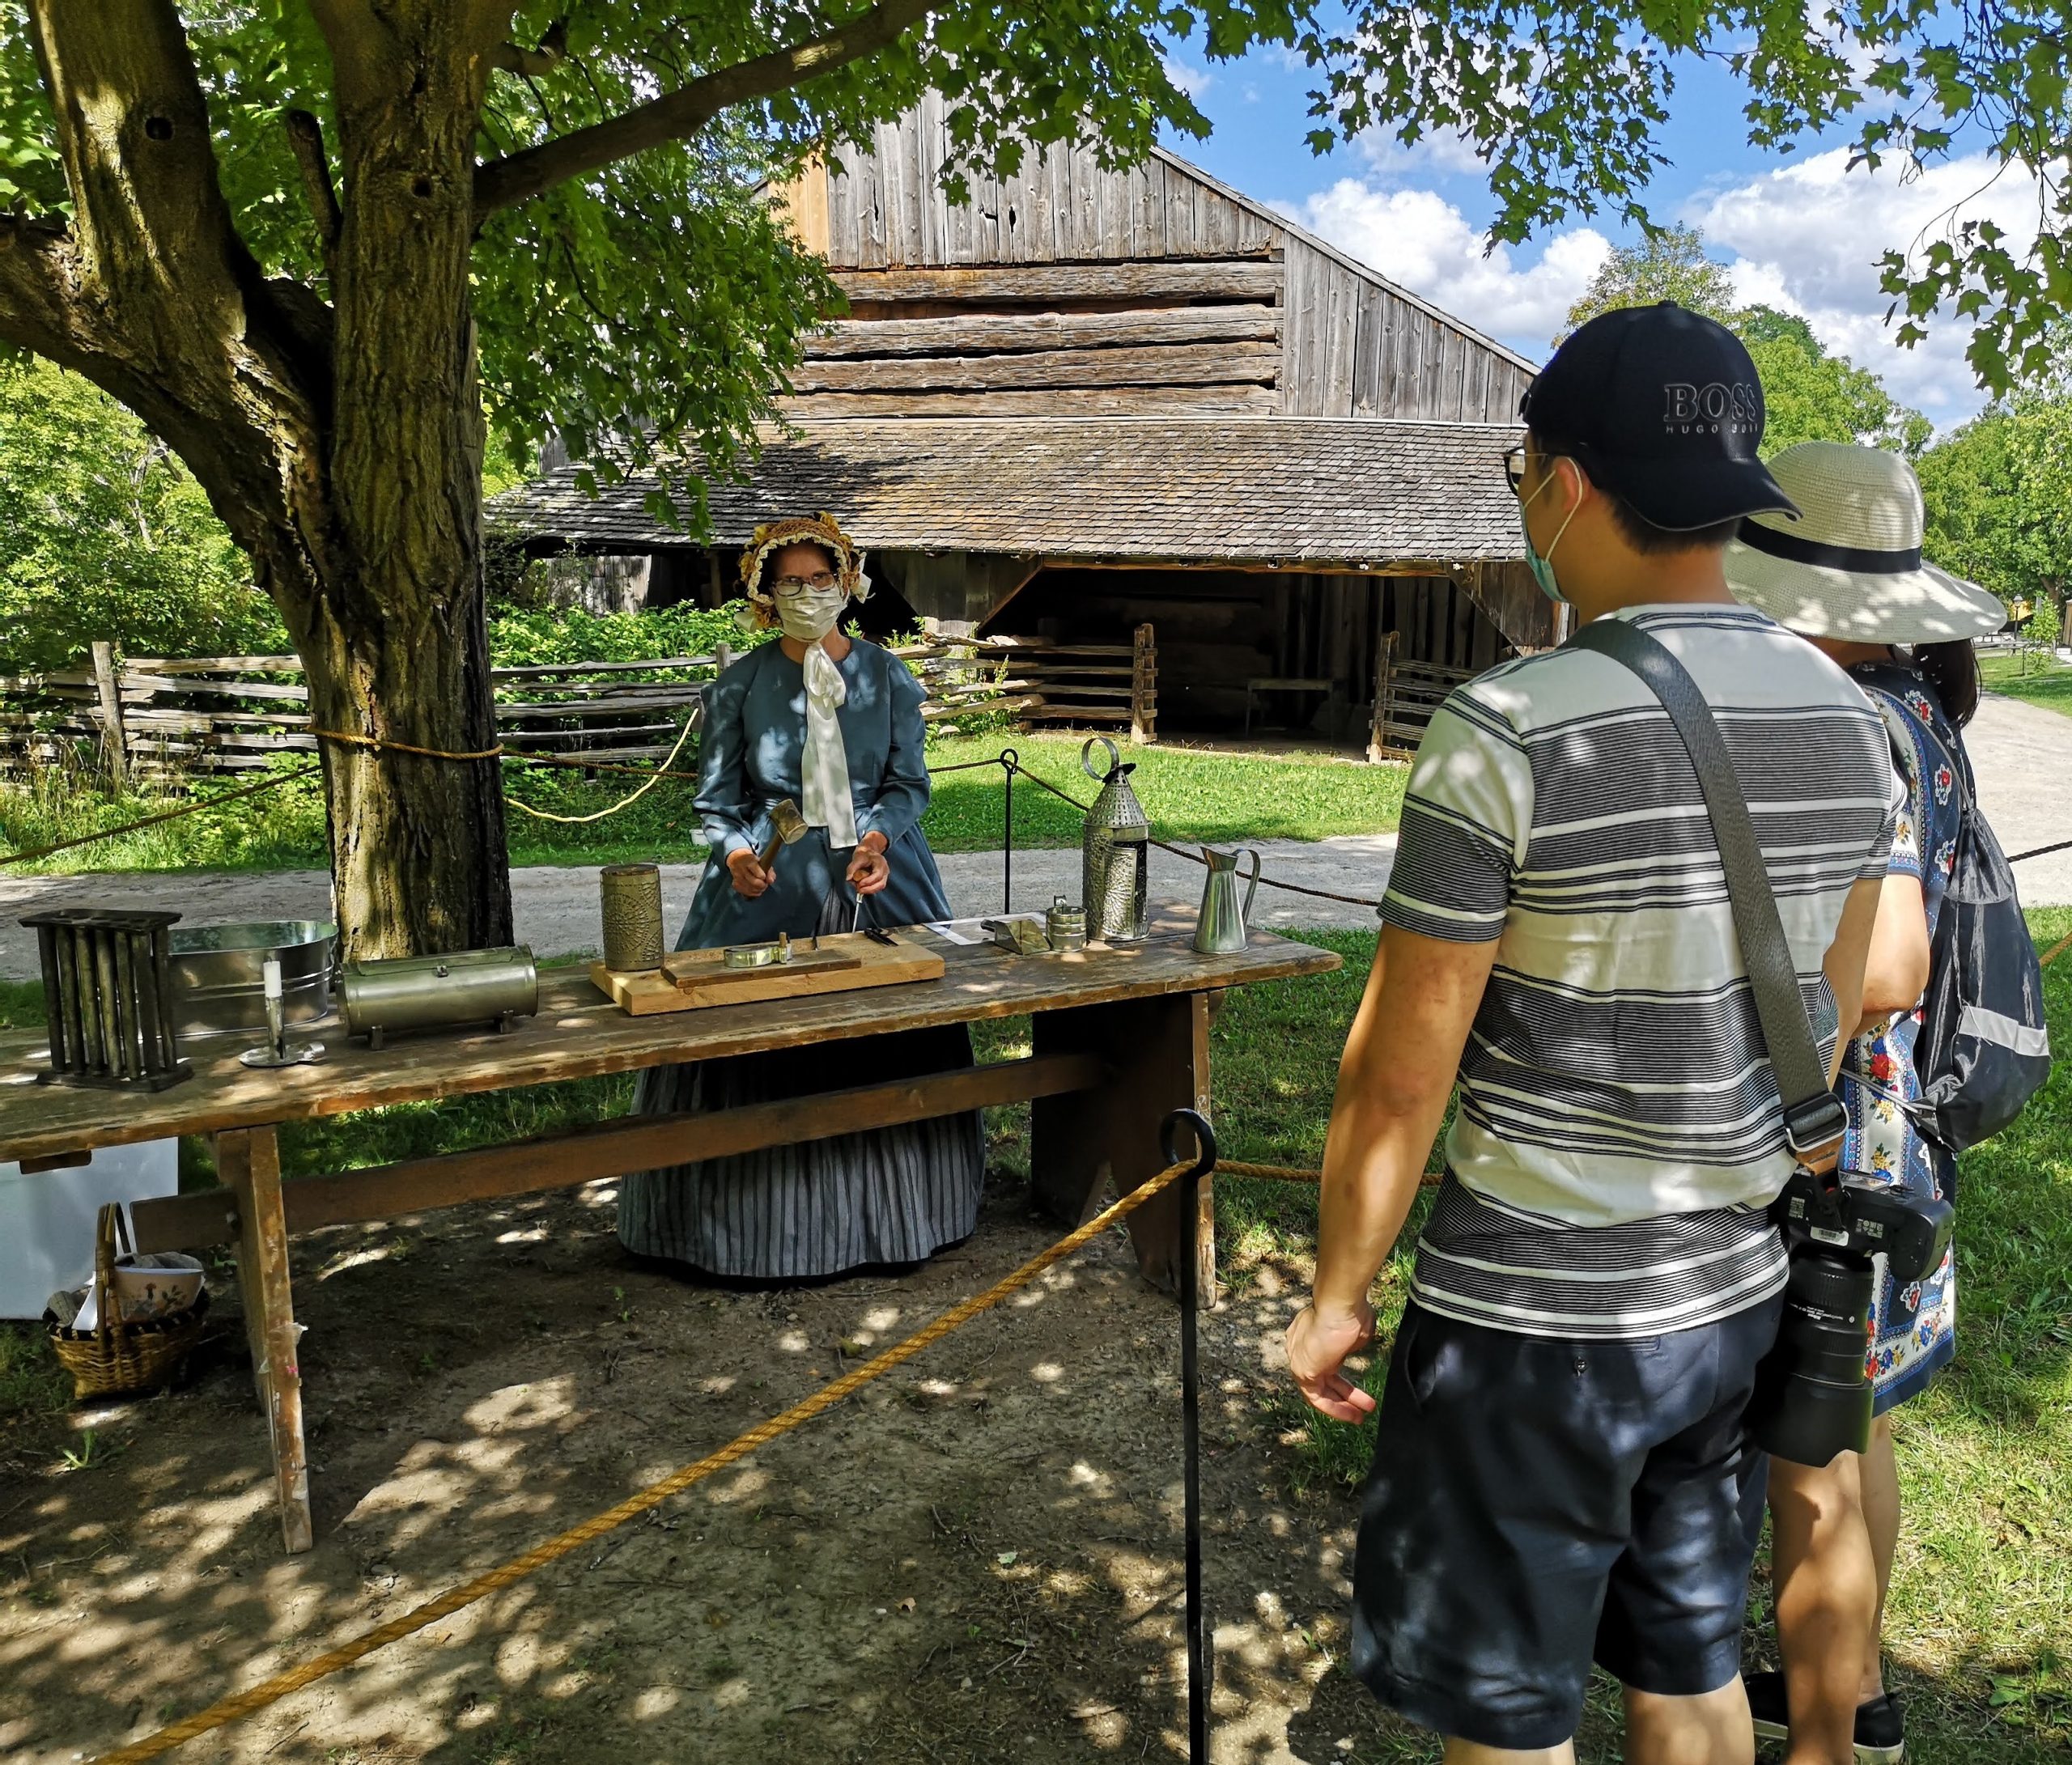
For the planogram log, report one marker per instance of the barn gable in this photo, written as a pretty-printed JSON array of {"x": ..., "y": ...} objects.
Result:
[{"x": 1069, "y": 289}]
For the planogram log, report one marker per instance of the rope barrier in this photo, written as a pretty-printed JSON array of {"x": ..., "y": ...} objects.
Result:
[
  {"x": 2038, "y": 851},
  {"x": 2056, "y": 950},
  {"x": 661, "y": 772},
  {"x": 270, "y": 1691}
]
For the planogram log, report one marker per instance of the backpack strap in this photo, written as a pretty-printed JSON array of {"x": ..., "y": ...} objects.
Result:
[{"x": 1814, "y": 1116}]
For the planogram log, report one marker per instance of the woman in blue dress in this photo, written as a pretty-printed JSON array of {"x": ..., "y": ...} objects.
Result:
[
  {"x": 833, "y": 722},
  {"x": 1848, "y": 575}
]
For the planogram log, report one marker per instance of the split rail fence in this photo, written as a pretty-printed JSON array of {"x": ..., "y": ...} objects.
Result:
[
  {"x": 1406, "y": 694},
  {"x": 162, "y": 720}
]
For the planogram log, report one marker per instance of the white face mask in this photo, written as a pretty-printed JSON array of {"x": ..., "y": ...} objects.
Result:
[{"x": 809, "y": 615}]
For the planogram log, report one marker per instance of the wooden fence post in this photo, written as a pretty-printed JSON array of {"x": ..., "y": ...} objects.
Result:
[
  {"x": 1143, "y": 687},
  {"x": 1378, "y": 733},
  {"x": 114, "y": 740}
]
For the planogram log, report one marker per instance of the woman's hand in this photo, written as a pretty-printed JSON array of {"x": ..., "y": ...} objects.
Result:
[
  {"x": 1318, "y": 1344},
  {"x": 870, "y": 869},
  {"x": 750, "y": 878}
]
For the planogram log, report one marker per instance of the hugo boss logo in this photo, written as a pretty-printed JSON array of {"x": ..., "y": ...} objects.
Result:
[{"x": 1736, "y": 404}]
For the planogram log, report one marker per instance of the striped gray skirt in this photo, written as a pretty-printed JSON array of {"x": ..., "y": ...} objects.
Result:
[{"x": 890, "y": 1195}]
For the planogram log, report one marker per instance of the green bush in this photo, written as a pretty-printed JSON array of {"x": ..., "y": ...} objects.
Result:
[
  {"x": 103, "y": 534},
  {"x": 535, "y": 636}
]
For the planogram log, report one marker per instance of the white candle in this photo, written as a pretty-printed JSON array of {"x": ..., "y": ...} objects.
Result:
[{"x": 272, "y": 972}]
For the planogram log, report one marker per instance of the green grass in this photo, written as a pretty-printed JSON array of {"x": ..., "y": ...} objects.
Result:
[
  {"x": 2034, "y": 677},
  {"x": 1190, "y": 793}
]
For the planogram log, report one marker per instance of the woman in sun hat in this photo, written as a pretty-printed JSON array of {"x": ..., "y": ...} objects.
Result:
[
  {"x": 833, "y": 722},
  {"x": 1848, "y": 575}
]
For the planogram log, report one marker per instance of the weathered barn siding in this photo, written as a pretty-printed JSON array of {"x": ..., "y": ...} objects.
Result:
[
  {"x": 886, "y": 208},
  {"x": 1068, "y": 288},
  {"x": 1351, "y": 345}
]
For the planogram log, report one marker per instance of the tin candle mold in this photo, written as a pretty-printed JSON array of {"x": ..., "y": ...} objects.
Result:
[{"x": 107, "y": 991}]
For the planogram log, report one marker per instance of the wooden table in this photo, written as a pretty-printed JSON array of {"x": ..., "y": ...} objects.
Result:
[{"x": 1120, "y": 1037}]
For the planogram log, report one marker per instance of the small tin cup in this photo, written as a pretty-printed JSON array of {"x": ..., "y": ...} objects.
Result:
[{"x": 1065, "y": 926}]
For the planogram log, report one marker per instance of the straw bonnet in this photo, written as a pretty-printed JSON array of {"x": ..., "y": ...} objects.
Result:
[
  {"x": 1850, "y": 566},
  {"x": 822, "y": 530}
]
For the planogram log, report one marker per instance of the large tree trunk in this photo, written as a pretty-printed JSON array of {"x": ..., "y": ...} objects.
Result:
[{"x": 342, "y": 445}]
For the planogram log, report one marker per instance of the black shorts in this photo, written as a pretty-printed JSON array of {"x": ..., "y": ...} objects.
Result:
[{"x": 1538, "y": 1503}]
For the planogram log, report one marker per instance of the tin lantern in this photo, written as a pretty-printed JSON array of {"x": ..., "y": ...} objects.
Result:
[{"x": 1115, "y": 849}]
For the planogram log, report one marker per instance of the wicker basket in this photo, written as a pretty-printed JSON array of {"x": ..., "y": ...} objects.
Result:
[{"x": 117, "y": 1357}]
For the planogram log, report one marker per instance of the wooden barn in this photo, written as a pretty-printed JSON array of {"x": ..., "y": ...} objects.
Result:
[{"x": 1087, "y": 400}]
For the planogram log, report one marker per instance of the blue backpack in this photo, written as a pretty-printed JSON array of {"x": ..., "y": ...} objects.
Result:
[{"x": 1984, "y": 1047}]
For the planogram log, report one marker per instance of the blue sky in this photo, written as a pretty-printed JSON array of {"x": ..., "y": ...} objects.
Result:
[{"x": 1798, "y": 231}]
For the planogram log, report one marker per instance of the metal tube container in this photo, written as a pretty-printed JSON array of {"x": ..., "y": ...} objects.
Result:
[
  {"x": 381, "y": 999},
  {"x": 631, "y": 896}
]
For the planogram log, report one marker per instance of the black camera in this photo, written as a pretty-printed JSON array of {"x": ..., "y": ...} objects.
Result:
[{"x": 1812, "y": 1397}]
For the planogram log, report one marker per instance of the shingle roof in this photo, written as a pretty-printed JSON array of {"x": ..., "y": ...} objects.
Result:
[{"x": 1261, "y": 490}]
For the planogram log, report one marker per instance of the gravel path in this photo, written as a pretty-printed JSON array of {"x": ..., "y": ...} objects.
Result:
[{"x": 2019, "y": 751}]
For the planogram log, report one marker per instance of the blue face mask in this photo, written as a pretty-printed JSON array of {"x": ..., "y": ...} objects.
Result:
[{"x": 1542, "y": 568}]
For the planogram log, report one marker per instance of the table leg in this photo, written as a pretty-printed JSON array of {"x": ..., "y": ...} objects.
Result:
[
  {"x": 248, "y": 1159},
  {"x": 1156, "y": 1050}
]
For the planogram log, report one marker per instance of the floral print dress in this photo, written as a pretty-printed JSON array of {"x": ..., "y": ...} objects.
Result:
[{"x": 1912, "y": 1328}]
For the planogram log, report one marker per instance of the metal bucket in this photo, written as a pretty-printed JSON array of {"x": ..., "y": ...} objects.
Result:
[{"x": 218, "y": 978}]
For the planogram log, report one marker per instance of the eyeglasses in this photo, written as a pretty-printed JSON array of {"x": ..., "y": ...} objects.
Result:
[
  {"x": 1513, "y": 460},
  {"x": 818, "y": 582}
]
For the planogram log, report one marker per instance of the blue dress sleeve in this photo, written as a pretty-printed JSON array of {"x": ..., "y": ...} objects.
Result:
[
  {"x": 725, "y": 801},
  {"x": 902, "y": 789}
]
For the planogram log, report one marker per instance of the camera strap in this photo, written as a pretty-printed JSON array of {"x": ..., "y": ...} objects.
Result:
[{"x": 1814, "y": 1116}]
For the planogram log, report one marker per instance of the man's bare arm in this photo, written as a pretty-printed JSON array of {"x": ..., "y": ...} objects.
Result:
[{"x": 1394, "y": 1078}]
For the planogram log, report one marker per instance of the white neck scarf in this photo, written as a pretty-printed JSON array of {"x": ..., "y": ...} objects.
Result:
[{"x": 824, "y": 771}]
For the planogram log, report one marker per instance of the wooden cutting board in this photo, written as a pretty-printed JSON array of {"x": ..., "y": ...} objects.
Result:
[{"x": 842, "y": 963}]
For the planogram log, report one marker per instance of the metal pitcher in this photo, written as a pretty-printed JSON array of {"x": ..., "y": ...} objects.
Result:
[
  {"x": 1115, "y": 867},
  {"x": 1222, "y": 929}
]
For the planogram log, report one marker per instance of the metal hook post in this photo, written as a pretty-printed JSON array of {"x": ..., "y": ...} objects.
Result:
[
  {"x": 1010, "y": 764},
  {"x": 1201, "y": 1667}
]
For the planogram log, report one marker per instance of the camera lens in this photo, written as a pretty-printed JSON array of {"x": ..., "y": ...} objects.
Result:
[{"x": 1813, "y": 1390}]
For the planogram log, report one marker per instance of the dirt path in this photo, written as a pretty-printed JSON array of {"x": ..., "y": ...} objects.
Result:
[
  {"x": 2022, "y": 754},
  {"x": 978, "y": 1558}
]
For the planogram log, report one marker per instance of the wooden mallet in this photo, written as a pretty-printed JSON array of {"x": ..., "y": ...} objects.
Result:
[{"x": 787, "y": 828}]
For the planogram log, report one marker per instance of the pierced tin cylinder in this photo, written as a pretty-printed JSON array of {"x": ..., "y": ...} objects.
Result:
[{"x": 632, "y": 902}]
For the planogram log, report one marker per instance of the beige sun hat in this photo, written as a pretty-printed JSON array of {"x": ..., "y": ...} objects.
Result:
[{"x": 1850, "y": 566}]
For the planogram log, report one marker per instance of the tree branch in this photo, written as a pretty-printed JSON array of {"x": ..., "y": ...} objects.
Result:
[
  {"x": 306, "y": 136},
  {"x": 501, "y": 183}
]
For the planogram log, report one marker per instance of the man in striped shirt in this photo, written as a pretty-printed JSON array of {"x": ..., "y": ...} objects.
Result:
[{"x": 1562, "y": 1473}]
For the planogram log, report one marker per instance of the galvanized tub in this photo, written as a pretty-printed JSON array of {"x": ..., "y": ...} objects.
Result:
[{"x": 218, "y": 979}]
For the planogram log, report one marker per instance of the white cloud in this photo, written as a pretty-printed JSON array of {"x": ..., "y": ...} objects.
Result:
[
  {"x": 1192, "y": 80},
  {"x": 1446, "y": 153},
  {"x": 1418, "y": 238},
  {"x": 1806, "y": 237}
]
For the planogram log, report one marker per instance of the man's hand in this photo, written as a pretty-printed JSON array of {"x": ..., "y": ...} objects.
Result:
[
  {"x": 869, "y": 870},
  {"x": 1318, "y": 1344},
  {"x": 750, "y": 878}
]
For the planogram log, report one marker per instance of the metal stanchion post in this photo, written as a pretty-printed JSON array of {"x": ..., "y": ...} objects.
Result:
[
  {"x": 1201, "y": 1667},
  {"x": 1009, "y": 761}
]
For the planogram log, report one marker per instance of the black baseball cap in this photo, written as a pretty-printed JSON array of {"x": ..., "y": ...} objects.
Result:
[{"x": 1662, "y": 407}]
